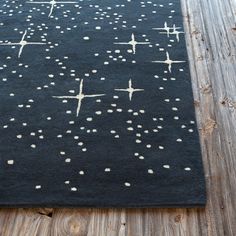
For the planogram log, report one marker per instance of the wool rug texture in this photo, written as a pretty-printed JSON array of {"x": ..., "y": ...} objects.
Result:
[{"x": 96, "y": 105}]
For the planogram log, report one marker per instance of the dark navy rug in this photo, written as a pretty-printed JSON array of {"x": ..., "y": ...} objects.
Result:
[{"x": 96, "y": 105}]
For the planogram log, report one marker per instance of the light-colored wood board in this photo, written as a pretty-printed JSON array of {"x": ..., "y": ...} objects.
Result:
[{"x": 211, "y": 41}]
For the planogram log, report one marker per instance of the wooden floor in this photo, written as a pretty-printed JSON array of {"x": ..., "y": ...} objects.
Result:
[{"x": 211, "y": 37}]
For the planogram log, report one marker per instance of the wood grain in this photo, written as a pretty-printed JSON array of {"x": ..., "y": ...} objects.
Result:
[{"x": 211, "y": 40}]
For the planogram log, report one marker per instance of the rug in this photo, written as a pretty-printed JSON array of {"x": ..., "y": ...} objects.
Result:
[{"x": 96, "y": 105}]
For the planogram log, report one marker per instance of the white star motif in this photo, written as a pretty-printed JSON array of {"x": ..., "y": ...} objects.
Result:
[
  {"x": 130, "y": 90},
  {"x": 52, "y": 3},
  {"x": 168, "y": 61},
  {"x": 23, "y": 42},
  {"x": 167, "y": 29},
  {"x": 80, "y": 97},
  {"x": 133, "y": 43},
  {"x": 174, "y": 32}
]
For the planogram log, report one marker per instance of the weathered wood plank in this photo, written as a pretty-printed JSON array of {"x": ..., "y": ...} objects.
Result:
[
  {"x": 211, "y": 39},
  {"x": 26, "y": 222}
]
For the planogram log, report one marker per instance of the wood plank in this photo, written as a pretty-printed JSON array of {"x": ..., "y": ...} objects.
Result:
[
  {"x": 28, "y": 222},
  {"x": 210, "y": 34}
]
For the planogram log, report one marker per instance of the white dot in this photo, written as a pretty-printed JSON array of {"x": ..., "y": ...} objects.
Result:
[
  {"x": 81, "y": 172},
  {"x": 86, "y": 38},
  {"x": 38, "y": 187},
  {"x": 98, "y": 112},
  {"x": 150, "y": 171},
  {"x": 166, "y": 166},
  {"x": 73, "y": 189},
  {"x": 187, "y": 168},
  {"x": 10, "y": 162},
  {"x": 107, "y": 170},
  {"x": 127, "y": 184}
]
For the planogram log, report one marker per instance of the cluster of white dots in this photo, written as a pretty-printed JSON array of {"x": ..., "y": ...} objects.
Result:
[{"x": 116, "y": 20}]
